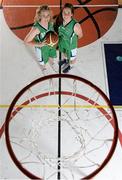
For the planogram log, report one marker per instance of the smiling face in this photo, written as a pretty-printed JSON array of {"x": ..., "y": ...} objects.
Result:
[
  {"x": 45, "y": 16},
  {"x": 67, "y": 14}
]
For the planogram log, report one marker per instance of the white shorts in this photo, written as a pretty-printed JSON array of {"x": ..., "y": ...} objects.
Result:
[
  {"x": 39, "y": 56},
  {"x": 73, "y": 54}
]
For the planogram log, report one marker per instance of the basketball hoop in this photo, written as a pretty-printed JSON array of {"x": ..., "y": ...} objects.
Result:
[{"x": 89, "y": 129}]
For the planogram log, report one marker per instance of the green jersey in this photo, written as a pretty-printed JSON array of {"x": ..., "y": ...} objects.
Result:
[
  {"x": 46, "y": 51},
  {"x": 67, "y": 38},
  {"x": 40, "y": 37}
]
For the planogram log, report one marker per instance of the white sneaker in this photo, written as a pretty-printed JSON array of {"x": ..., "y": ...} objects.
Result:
[
  {"x": 44, "y": 70},
  {"x": 55, "y": 67}
]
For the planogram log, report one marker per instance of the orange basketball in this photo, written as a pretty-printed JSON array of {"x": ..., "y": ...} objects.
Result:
[{"x": 51, "y": 38}]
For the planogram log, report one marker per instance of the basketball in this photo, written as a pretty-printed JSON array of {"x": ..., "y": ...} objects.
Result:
[
  {"x": 96, "y": 18},
  {"x": 51, "y": 38}
]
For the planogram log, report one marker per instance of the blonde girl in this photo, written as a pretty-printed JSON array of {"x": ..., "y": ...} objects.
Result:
[{"x": 36, "y": 36}]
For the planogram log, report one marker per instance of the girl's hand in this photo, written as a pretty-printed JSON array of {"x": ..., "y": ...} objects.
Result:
[
  {"x": 78, "y": 30},
  {"x": 42, "y": 44}
]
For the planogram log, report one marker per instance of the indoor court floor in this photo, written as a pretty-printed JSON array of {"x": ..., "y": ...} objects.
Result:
[{"x": 100, "y": 62}]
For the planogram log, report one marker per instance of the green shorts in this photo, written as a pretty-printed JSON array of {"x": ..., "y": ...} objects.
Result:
[
  {"x": 71, "y": 54},
  {"x": 65, "y": 48},
  {"x": 44, "y": 53}
]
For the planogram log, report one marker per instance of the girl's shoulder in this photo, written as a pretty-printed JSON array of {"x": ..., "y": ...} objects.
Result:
[
  {"x": 36, "y": 24},
  {"x": 74, "y": 21}
]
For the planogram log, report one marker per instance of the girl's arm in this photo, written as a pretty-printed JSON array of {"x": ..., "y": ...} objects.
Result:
[
  {"x": 78, "y": 30},
  {"x": 29, "y": 39}
]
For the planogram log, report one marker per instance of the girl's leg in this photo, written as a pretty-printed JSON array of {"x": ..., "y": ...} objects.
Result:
[
  {"x": 39, "y": 56},
  {"x": 51, "y": 61},
  {"x": 73, "y": 61},
  {"x": 53, "y": 64},
  {"x": 73, "y": 56},
  {"x": 41, "y": 61}
]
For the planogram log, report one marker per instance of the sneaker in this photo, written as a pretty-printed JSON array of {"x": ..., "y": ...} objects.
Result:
[
  {"x": 66, "y": 70},
  {"x": 55, "y": 67},
  {"x": 44, "y": 70},
  {"x": 62, "y": 62}
]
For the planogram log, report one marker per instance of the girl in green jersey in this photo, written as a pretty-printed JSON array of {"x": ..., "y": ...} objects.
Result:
[
  {"x": 69, "y": 32},
  {"x": 36, "y": 36}
]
